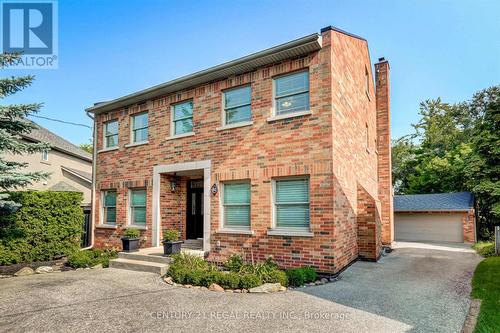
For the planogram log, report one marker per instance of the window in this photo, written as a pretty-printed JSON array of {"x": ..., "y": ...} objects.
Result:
[
  {"x": 236, "y": 205},
  {"x": 291, "y": 93},
  {"x": 291, "y": 203},
  {"x": 109, "y": 207},
  {"x": 236, "y": 104},
  {"x": 182, "y": 118},
  {"x": 111, "y": 134},
  {"x": 140, "y": 127},
  {"x": 45, "y": 155},
  {"x": 138, "y": 207}
]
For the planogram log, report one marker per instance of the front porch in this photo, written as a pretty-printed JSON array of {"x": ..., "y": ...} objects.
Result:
[
  {"x": 152, "y": 259},
  {"x": 181, "y": 201}
]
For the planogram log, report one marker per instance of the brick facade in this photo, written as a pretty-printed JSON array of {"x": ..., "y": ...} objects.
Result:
[{"x": 335, "y": 147}]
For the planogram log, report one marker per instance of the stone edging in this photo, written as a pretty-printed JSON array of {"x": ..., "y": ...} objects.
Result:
[
  {"x": 272, "y": 287},
  {"x": 471, "y": 319}
]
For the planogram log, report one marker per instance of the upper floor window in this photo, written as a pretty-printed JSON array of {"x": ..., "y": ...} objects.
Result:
[
  {"x": 109, "y": 207},
  {"x": 137, "y": 207},
  {"x": 236, "y": 205},
  {"x": 140, "y": 127},
  {"x": 182, "y": 118},
  {"x": 291, "y": 203},
  {"x": 111, "y": 134},
  {"x": 45, "y": 155},
  {"x": 236, "y": 104},
  {"x": 291, "y": 93}
]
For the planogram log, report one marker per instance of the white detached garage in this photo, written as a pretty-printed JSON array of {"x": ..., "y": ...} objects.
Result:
[{"x": 442, "y": 217}]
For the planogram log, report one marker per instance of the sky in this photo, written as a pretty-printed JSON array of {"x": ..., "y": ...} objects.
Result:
[{"x": 107, "y": 48}]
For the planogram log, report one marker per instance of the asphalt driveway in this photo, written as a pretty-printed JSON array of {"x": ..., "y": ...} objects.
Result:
[{"x": 417, "y": 288}]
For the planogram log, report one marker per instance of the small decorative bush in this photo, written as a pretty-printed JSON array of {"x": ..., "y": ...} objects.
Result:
[
  {"x": 277, "y": 276},
  {"x": 195, "y": 277},
  {"x": 250, "y": 280},
  {"x": 234, "y": 263},
  {"x": 229, "y": 280},
  {"x": 484, "y": 249},
  {"x": 170, "y": 235},
  {"x": 296, "y": 276},
  {"x": 309, "y": 274},
  {"x": 89, "y": 258},
  {"x": 131, "y": 233},
  {"x": 211, "y": 277}
]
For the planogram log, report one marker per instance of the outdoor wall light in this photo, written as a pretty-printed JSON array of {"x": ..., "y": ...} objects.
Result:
[{"x": 173, "y": 183}]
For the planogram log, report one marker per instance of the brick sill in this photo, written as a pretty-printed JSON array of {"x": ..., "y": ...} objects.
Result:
[
  {"x": 106, "y": 226},
  {"x": 237, "y": 125},
  {"x": 178, "y": 136},
  {"x": 289, "y": 115},
  {"x": 236, "y": 231},
  {"x": 288, "y": 232}
]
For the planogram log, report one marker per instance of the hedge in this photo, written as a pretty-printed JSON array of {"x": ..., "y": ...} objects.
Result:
[{"x": 47, "y": 226}]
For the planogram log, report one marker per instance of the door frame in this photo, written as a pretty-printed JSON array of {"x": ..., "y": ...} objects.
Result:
[{"x": 177, "y": 167}]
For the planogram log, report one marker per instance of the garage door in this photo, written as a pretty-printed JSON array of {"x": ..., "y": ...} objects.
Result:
[{"x": 428, "y": 227}]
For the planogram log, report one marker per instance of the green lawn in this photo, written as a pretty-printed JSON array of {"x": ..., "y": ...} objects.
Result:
[{"x": 486, "y": 286}]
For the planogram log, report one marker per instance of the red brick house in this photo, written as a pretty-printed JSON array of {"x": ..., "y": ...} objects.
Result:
[{"x": 285, "y": 152}]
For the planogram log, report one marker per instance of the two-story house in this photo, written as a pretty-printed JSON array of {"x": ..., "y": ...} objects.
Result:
[{"x": 284, "y": 152}]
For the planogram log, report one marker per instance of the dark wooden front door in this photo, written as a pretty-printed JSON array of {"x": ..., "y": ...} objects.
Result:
[{"x": 194, "y": 216}]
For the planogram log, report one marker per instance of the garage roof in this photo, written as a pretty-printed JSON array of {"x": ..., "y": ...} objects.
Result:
[{"x": 459, "y": 201}]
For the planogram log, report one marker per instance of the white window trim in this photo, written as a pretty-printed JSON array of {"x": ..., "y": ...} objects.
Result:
[
  {"x": 104, "y": 136},
  {"x": 288, "y": 231},
  {"x": 223, "y": 113},
  {"x": 172, "y": 125},
  {"x": 232, "y": 229},
  {"x": 101, "y": 220},
  {"x": 131, "y": 141},
  {"x": 129, "y": 209},
  {"x": 274, "y": 116}
]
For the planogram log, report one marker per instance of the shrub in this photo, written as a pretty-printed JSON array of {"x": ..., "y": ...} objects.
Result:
[
  {"x": 295, "y": 276},
  {"x": 178, "y": 274},
  {"x": 171, "y": 235},
  {"x": 485, "y": 249},
  {"x": 131, "y": 233},
  {"x": 46, "y": 227},
  {"x": 189, "y": 261},
  {"x": 250, "y": 280},
  {"x": 234, "y": 263},
  {"x": 211, "y": 277},
  {"x": 229, "y": 280},
  {"x": 89, "y": 258},
  {"x": 309, "y": 274},
  {"x": 277, "y": 276},
  {"x": 195, "y": 276}
]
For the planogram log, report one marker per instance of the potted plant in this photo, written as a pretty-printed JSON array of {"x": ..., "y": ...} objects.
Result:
[
  {"x": 130, "y": 240},
  {"x": 171, "y": 242}
]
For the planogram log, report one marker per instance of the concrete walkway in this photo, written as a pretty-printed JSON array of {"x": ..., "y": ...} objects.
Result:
[{"x": 417, "y": 288}]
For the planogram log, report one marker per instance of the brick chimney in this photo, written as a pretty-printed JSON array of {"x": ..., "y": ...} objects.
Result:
[{"x": 385, "y": 192}]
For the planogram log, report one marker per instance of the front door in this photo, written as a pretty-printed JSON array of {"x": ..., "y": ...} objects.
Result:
[{"x": 194, "y": 216}]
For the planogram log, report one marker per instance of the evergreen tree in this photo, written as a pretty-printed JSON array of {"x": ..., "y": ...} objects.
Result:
[{"x": 13, "y": 122}]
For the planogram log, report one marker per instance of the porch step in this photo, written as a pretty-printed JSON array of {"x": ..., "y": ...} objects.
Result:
[
  {"x": 198, "y": 253},
  {"x": 150, "y": 257},
  {"x": 194, "y": 244},
  {"x": 139, "y": 265}
]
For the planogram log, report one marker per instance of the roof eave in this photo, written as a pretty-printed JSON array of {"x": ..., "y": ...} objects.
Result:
[
  {"x": 295, "y": 48},
  {"x": 432, "y": 210}
]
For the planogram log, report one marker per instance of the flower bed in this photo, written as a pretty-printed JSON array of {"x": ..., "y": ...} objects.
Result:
[{"x": 236, "y": 275}]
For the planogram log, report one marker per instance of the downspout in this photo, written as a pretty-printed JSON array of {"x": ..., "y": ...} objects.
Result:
[{"x": 92, "y": 193}]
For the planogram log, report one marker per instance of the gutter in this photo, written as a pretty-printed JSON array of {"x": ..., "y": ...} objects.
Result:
[{"x": 92, "y": 193}]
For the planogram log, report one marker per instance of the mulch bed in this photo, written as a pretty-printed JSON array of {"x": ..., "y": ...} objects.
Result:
[{"x": 59, "y": 263}]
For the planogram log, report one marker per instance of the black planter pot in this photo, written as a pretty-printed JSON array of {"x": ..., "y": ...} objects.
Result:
[
  {"x": 130, "y": 244},
  {"x": 172, "y": 247}
]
